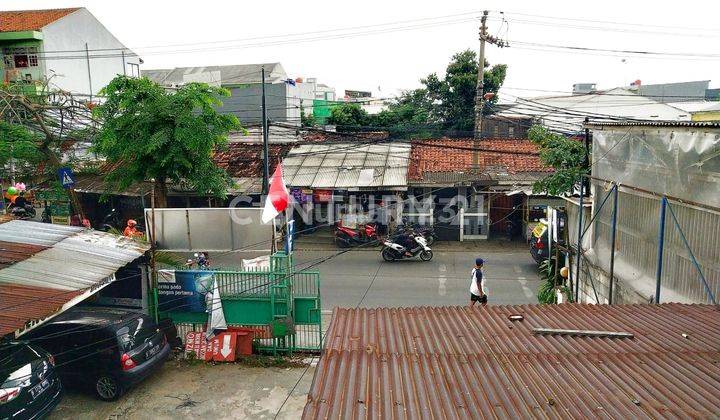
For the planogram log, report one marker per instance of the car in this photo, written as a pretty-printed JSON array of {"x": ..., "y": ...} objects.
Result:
[
  {"x": 105, "y": 349},
  {"x": 29, "y": 385}
]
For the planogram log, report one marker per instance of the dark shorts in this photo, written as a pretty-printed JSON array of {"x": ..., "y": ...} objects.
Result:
[{"x": 475, "y": 298}]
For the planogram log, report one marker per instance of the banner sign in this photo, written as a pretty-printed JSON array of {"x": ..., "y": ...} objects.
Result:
[
  {"x": 322, "y": 196},
  {"x": 183, "y": 290},
  {"x": 221, "y": 348}
]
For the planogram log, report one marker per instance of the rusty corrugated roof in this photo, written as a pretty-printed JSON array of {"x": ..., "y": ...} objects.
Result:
[
  {"x": 31, "y": 20},
  {"x": 11, "y": 252},
  {"x": 460, "y": 362},
  {"x": 22, "y": 304}
]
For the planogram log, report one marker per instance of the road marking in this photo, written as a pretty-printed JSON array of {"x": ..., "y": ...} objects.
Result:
[
  {"x": 528, "y": 293},
  {"x": 522, "y": 278},
  {"x": 442, "y": 281}
]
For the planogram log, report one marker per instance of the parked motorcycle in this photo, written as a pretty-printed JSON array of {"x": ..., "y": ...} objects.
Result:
[
  {"x": 427, "y": 232},
  {"x": 25, "y": 212},
  {"x": 346, "y": 237},
  {"x": 201, "y": 260},
  {"x": 111, "y": 221},
  {"x": 392, "y": 251}
]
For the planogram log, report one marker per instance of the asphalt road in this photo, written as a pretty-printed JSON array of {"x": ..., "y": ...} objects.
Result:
[{"x": 362, "y": 278}]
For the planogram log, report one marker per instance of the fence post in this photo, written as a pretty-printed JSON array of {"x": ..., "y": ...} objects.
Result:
[
  {"x": 612, "y": 243},
  {"x": 579, "y": 244},
  {"x": 661, "y": 245}
]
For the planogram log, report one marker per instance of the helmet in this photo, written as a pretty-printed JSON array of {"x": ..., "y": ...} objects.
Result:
[
  {"x": 132, "y": 222},
  {"x": 479, "y": 261}
]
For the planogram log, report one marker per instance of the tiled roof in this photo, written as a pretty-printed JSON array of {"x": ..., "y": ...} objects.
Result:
[
  {"x": 31, "y": 20},
  {"x": 461, "y": 362},
  {"x": 323, "y": 136},
  {"x": 496, "y": 157},
  {"x": 245, "y": 159}
]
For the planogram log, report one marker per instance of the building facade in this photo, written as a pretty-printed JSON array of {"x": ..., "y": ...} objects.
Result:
[{"x": 66, "y": 49}]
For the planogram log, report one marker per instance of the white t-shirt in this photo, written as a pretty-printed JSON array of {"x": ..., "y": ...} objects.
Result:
[{"x": 473, "y": 284}]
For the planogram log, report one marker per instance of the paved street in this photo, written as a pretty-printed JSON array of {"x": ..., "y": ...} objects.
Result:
[{"x": 361, "y": 277}]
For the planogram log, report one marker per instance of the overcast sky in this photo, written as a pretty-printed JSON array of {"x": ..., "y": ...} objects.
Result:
[{"x": 385, "y": 60}]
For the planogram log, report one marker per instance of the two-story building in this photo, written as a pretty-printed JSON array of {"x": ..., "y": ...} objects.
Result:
[{"x": 66, "y": 49}]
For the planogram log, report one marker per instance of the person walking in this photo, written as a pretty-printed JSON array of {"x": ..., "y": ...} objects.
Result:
[{"x": 478, "y": 292}]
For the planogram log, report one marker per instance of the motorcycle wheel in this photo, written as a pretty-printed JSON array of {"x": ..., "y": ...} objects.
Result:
[
  {"x": 340, "y": 243},
  {"x": 426, "y": 255},
  {"x": 387, "y": 255}
]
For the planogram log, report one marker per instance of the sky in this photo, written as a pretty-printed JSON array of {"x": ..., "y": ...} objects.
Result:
[{"x": 386, "y": 46}]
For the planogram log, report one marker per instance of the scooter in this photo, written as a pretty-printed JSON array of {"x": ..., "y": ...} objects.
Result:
[
  {"x": 201, "y": 259},
  {"x": 111, "y": 221},
  {"x": 392, "y": 251},
  {"x": 346, "y": 237},
  {"x": 25, "y": 212}
]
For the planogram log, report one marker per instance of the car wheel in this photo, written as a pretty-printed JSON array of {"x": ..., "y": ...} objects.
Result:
[
  {"x": 108, "y": 388},
  {"x": 426, "y": 255},
  {"x": 388, "y": 255}
]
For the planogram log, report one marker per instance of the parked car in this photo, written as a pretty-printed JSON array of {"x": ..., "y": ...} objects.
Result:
[
  {"x": 106, "y": 349},
  {"x": 29, "y": 385}
]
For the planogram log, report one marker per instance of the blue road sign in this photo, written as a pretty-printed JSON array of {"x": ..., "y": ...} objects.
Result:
[{"x": 67, "y": 179}]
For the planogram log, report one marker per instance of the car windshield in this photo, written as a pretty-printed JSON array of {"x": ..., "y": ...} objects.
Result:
[
  {"x": 135, "y": 333},
  {"x": 15, "y": 364}
]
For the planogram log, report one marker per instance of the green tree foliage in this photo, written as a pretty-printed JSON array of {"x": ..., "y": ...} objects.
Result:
[
  {"x": 307, "y": 120},
  {"x": 149, "y": 133},
  {"x": 20, "y": 144},
  {"x": 442, "y": 105},
  {"x": 566, "y": 156}
]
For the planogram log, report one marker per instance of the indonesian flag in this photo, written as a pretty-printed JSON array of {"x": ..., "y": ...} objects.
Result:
[{"x": 278, "y": 196}]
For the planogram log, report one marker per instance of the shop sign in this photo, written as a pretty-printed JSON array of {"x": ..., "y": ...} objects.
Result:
[{"x": 322, "y": 196}]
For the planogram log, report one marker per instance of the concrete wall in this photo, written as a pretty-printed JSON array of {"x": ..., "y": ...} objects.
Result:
[{"x": 70, "y": 69}]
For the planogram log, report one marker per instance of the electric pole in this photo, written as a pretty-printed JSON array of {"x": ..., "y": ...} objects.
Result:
[
  {"x": 479, "y": 91},
  {"x": 266, "y": 151}
]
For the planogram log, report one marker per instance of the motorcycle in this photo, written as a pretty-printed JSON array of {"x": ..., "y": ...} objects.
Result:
[
  {"x": 111, "y": 221},
  {"x": 392, "y": 251},
  {"x": 427, "y": 232},
  {"x": 25, "y": 212},
  {"x": 346, "y": 237},
  {"x": 201, "y": 259}
]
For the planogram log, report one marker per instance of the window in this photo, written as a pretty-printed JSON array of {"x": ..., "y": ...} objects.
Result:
[
  {"x": 134, "y": 69},
  {"x": 20, "y": 57},
  {"x": 511, "y": 131}
]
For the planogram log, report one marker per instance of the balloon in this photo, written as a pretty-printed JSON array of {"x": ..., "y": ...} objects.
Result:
[
  {"x": 12, "y": 191},
  {"x": 564, "y": 272},
  {"x": 20, "y": 186}
]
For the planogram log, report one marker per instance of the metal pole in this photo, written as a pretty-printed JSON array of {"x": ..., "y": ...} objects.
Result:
[
  {"x": 612, "y": 243},
  {"x": 123, "y": 62},
  {"x": 579, "y": 243},
  {"x": 661, "y": 245},
  {"x": 266, "y": 153},
  {"x": 87, "y": 58},
  {"x": 153, "y": 273}
]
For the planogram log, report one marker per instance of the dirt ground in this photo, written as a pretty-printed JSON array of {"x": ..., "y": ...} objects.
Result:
[{"x": 199, "y": 390}]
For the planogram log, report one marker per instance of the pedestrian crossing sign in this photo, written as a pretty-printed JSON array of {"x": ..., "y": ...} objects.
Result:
[{"x": 67, "y": 179}]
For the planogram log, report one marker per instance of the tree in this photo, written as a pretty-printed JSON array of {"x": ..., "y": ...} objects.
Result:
[
  {"x": 306, "y": 120},
  {"x": 149, "y": 133},
  {"x": 442, "y": 106},
  {"x": 348, "y": 117},
  {"x": 565, "y": 155}
]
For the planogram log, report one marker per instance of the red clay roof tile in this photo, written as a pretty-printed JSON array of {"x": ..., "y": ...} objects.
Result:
[{"x": 31, "y": 20}]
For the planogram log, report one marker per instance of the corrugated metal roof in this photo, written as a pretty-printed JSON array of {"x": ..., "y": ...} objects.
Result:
[
  {"x": 11, "y": 252},
  {"x": 339, "y": 165},
  {"x": 691, "y": 124},
  {"x": 44, "y": 234},
  {"x": 53, "y": 264},
  {"x": 461, "y": 362}
]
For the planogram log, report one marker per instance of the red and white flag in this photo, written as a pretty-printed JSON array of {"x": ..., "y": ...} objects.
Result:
[{"x": 278, "y": 196}]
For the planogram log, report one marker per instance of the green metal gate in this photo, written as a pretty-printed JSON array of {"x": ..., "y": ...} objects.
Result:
[{"x": 282, "y": 304}]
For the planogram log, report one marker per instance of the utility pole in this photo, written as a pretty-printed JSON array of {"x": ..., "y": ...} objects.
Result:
[
  {"x": 266, "y": 152},
  {"x": 479, "y": 90}
]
